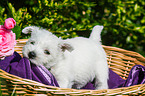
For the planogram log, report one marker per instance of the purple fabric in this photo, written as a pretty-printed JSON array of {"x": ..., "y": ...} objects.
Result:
[
  {"x": 21, "y": 67},
  {"x": 136, "y": 76},
  {"x": 115, "y": 81}
]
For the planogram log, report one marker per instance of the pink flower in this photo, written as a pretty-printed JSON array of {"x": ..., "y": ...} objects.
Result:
[
  {"x": 10, "y": 23},
  {"x": 7, "y": 42}
]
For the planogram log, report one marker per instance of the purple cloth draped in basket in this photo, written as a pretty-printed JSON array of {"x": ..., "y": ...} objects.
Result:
[{"x": 21, "y": 67}]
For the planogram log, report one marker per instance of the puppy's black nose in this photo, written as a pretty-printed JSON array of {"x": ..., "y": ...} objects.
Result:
[{"x": 32, "y": 54}]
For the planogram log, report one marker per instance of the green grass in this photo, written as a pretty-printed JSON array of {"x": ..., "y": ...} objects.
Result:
[
  {"x": 12, "y": 94},
  {"x": 0, "y": 89}
]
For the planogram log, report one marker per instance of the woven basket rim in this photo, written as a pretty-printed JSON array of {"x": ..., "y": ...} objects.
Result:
[
  {"x": 67, "y": 91},
  {"x": 124, "y": 50}
]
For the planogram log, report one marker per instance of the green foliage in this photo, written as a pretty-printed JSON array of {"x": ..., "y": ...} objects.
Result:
[
  {"x": 17, "y": 31},
  {"x": 3, "y": 82},
  {"x": 123, "y": 20},
  {"x": 19, "y": 16},
  {"x": 0, "y": 90},
  {"x": 125, "y": 24},
  {"x": 62, "y": 17}
]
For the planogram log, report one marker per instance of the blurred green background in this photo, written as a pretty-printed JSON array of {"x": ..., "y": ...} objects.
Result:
[{"x": 123, "y": 20}]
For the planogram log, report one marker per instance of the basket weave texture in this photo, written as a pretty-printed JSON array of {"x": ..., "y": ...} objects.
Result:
[{"x": 119, "y": 60}]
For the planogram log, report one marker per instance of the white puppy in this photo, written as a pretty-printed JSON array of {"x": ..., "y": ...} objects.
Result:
[{"x": 74, "y": 62}]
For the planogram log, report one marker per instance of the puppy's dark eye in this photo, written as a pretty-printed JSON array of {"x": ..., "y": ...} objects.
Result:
[
  {"x": 32, "y": 42},
  {"x": 47, "y": 52}
]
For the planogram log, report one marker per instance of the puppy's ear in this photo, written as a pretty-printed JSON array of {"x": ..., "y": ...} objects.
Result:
[
  {"x": 66, "y": 46},
  {"x": 27, "y": 30}
]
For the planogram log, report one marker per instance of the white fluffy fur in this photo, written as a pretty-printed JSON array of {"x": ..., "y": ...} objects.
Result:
[{"x": 74, "y": 62}]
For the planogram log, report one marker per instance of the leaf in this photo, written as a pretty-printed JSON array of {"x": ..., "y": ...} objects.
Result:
[
  {"x": 17, "y": 31},
  {"x": 2, "y": 10},
  {"x": 128, "y": 39},
  {"x": 135, "y": 7},
  {"x": 0, "y": 89}
]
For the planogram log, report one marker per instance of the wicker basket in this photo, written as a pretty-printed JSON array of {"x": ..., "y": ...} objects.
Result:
[{"x": 119, "y": 60}]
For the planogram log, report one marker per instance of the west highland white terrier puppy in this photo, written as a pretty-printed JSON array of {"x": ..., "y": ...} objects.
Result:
[{"x": 74, "y": 62}]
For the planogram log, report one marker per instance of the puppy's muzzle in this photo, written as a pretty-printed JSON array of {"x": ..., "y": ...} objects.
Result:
[{"x": 32, "y": 55}]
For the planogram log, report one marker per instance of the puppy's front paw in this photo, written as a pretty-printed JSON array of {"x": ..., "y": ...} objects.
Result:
[
  {"x": 64, "y": 84},
  {"x": 102, "y": 86}
]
